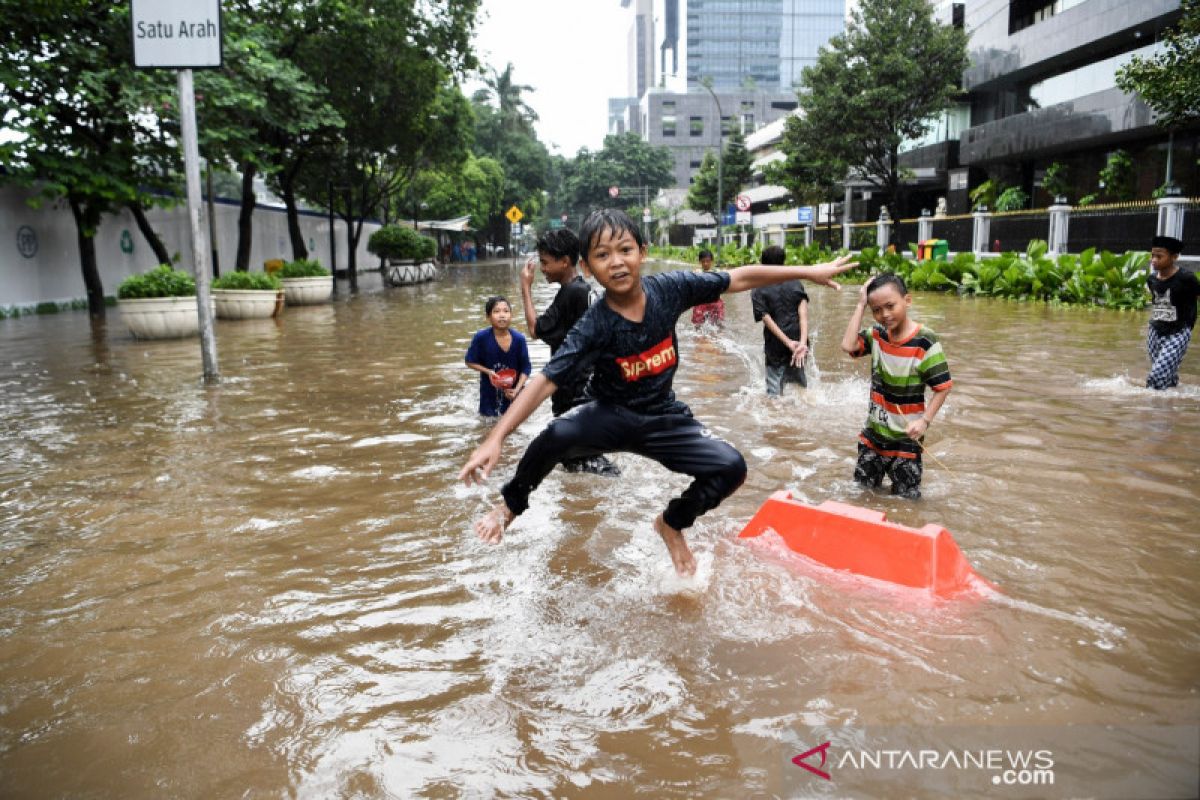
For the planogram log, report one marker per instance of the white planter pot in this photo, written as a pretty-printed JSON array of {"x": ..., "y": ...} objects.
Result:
[
  {"x": 247, "y": 303},
  {"x": 405, "y": 272},
  {"x": 308, "y": 291},
  {"x": 160, "y": 317}
]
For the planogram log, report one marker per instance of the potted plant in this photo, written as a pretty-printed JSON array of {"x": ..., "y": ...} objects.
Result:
[
  {"x": 159, "y": 304},
  {"x": 305, "y": 282},
  {"x": 247, "y": 295},
  {"x": 404, "y": 250},
  {"x": 428, "y": 254}
]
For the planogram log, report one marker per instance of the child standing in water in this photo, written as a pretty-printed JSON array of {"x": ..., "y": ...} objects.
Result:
[
  {"x": 1173, "y": 293},
  {"x": 905, "y": 358},
  {"x": 628, "y": 341},
  {"x": 708, "y": 312},
  {"x": 501, "y": 357},
  {"x": 783, "y": 311}
]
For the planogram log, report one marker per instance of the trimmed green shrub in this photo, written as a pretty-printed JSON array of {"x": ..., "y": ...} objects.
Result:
[
  {"x": 397, "y": 241},
  {"x": 304, "y": 268},
  {"x": 247, "y": 281},
  {"x": 162, "y": 281}
]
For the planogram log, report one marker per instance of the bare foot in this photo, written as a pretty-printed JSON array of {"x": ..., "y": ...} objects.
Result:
[
  {"x": 681, "y": 555},
  {"x": 491, "y": 526}
]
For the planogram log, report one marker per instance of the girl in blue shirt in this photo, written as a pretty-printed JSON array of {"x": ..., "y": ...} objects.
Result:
[{"x": 501, "y": 357}]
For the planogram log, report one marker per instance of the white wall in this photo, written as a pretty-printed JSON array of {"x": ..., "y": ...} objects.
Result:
[{"x": 52, "y": 273}]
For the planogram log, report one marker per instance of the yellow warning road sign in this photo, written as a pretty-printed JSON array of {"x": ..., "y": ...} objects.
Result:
[{"x": 514, "y": 215}]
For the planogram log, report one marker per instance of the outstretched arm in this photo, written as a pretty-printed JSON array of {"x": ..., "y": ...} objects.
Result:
[
  {"x": 753, "y": 276},
  {"x": 488, "y": 453},
  {"x": 850, "y": 337}
]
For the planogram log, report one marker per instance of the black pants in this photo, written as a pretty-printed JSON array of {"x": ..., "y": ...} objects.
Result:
[
  {"x": 904, "y": 472},
  {"x": 677, "y": 441}
]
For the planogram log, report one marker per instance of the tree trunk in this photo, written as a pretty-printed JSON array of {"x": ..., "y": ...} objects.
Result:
[
  {"x": 287, "y": 186},
  {"x": 245, "y": 218},
  {"x": 351, "y": 254},
  {"x": 139, "y": 216},
  {"x": 87, "y": 220}
]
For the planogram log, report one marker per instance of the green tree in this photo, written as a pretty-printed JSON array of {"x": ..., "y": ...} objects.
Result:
[
  {"x": 515, "y": 113},
  {"x": 1057, "y": 180},
  {"x": 1169, "y": 81},
  {"x": 504, "y": 133},
  {"x": 390, "y": 68},
  {"x": 476, "y": 189},
  {"x": 256, "y": 109},
  {"x": 735, "y": 173},
  {"x": 877, "y": 84},
  {"x": 623, "y": 161},
  {"x": 80, "y": 118}
]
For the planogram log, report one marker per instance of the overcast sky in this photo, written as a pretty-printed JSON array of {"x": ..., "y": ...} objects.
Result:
[{"x": 572, "y": 51}]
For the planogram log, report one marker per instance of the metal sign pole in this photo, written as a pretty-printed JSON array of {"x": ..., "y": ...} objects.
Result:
[{"x": 191, "y": 167}]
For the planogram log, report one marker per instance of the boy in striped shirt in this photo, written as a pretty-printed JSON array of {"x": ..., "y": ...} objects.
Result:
[{"x": 905, "y": 358}]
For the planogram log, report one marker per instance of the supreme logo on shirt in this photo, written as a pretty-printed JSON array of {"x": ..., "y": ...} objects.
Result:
[{"x": 657, "y": 359}]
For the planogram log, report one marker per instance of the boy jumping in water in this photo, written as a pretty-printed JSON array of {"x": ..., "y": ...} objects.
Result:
[
  {"x": 905, "y": 358},
  {"x": 628, "y": 341}
]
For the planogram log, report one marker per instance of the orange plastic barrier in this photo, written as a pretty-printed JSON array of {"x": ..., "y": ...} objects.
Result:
[{"x": 862, "y": 541}]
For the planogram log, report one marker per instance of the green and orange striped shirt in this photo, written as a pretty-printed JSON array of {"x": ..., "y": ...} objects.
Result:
[{"x": 900, "y": 371}]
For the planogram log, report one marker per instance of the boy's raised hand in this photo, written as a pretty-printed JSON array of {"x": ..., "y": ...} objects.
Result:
[
  {"x": 479, "y": 465},
  {"x": 528, "y": 270}
]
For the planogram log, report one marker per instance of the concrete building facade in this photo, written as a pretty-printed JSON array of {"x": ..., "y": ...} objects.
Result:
[{"x": 1041, "y": 88}]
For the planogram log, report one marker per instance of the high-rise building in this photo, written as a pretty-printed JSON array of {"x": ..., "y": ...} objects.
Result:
[
  {"x": 1041, "y": 88},
  {"x": 763, "y": 44}
]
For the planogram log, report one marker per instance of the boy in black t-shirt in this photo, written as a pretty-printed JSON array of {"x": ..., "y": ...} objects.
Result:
[
  {"x": 628, "y": 342},
  {"x": 557, "y": 253},
  {"x": 783, "y": 311},
  {"x": 1173, "y": 294}
]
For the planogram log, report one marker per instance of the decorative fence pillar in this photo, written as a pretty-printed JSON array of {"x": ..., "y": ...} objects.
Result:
[
  {"x": 883, "y": 229},
  {"x": 924, "y": 226},
  {"x": 981, "y": 230},
  {"x": 847, "y": 205},
  {"x": 1170, "y": 214},
  {"x": 1060, "y": 217},
  {"x": 808, "y": 234}
]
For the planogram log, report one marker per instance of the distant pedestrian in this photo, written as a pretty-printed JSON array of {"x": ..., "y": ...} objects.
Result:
[
  {"x": 1173, "y": 293},
  {"x": 783, "y": 311},
  {"x": 501, "y": 357},
  {"x": 713, "y": 312}
]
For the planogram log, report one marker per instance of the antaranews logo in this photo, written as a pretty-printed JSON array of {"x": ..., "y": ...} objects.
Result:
[
  {"x": 1008, "y": 767},
  {"x": 822, "y": 749}
]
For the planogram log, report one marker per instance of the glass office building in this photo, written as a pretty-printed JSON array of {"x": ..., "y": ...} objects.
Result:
[{"x": 762, "y": 44}]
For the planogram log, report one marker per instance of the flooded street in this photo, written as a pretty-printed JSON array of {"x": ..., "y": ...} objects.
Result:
[{"x": 269, "y": 588}]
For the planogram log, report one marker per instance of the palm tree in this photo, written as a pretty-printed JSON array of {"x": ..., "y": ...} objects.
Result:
[{"x": 515, "y": 113}]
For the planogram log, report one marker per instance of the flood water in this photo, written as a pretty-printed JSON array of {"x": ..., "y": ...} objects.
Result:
[{"x": 269, "y": 588}]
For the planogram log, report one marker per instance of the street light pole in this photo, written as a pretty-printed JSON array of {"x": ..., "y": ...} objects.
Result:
[{"x": 707, "y": 84}]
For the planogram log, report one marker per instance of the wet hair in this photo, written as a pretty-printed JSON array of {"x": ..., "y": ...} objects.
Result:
[
  {"x": 1169, "y": 243},
  {"x": 774, "y": 254},
  {"x": 887, "y": 279},
  {"x": 613, "y": 221},
  {"x": 492, "y": 301},
  {"x": 706, "y": 253},
  {"x": 561, "y": 243}
]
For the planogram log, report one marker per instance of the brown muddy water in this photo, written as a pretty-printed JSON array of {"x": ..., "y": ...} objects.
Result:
[{"x": 268, "y": 587}]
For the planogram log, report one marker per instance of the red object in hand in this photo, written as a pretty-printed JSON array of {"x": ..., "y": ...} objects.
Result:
[{"x": 504, "y": 379}]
